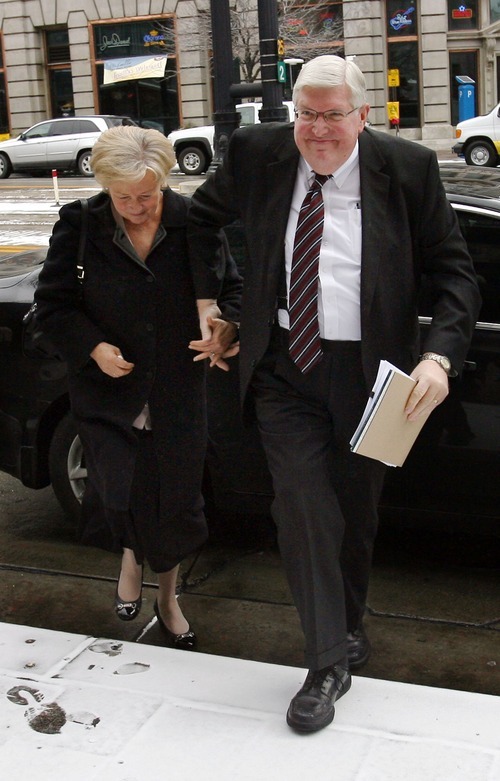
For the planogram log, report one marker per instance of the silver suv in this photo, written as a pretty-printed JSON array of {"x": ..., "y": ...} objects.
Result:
[{"x": 63, "y": 144}]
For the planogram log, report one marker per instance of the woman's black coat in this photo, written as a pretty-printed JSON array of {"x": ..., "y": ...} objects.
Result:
[{"x": 148, "y": 311}]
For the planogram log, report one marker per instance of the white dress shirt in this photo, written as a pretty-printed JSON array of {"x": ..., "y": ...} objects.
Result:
[{"x": 340, "y": 253}]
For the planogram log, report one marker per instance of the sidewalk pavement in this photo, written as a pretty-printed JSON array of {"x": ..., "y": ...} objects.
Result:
[{"x": 76, "y": 708}]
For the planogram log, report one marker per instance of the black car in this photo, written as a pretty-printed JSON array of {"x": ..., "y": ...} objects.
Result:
[{"x": 451, "y": 473}]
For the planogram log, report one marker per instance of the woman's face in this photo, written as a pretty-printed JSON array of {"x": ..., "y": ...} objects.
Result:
[{"x": 137, "y": 202}]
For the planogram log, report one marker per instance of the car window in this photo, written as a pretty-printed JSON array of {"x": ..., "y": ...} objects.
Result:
[
  {"x": 85, "y": 126},
  {"x": 482, "y": 233},
  {"x": 114, "y": 121},
  {"x": 247, "y": 115},
  {"x": 62, "y": 128},
  {"x": 39, "y": 131},
  {"x": 481, "y": 230}
]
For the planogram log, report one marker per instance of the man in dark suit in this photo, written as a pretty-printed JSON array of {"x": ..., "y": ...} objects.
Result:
[{"x": 384, "y": 222}]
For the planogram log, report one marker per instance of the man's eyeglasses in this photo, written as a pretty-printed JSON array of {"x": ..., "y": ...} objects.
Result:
[{"x": 309, "y": 116}]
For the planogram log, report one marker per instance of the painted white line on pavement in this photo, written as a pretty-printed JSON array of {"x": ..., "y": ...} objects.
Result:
[
  {"x": 8, "y": 240},
  {"x": 33, "y": 207}
]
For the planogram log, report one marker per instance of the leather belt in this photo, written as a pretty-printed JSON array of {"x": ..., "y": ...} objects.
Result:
[{"x": 327, "y": 345}]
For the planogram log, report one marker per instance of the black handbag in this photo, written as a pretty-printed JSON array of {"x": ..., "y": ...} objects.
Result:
[{"x": 35, "y": 343}]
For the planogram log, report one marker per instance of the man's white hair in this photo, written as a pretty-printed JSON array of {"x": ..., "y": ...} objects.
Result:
[{"x": 330, "y": 70}]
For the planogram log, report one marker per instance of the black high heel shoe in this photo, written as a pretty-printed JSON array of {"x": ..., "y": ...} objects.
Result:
[
  {"x": 127, "y": 611},
  {"x": 184, "y": 642}
]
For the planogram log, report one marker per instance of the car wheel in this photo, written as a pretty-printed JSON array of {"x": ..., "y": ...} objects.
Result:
[
  {"x": 192, "y": 161},
  {"x": 66, "y": 467},
  {"x": 481, "y": 153},
  {"x": 84, "y": 164},
  {"x": 5, "y": 167}
]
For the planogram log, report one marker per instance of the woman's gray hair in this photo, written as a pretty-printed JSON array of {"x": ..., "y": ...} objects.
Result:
[
  {"x": 329, "y": 70},
  {"x": 128, "y": 152}
]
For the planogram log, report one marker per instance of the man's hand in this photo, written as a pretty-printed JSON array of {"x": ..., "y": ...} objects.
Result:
[
  {"x": 110, "y": 360},
  {"x": 431, "y": 389},
  {"x": 218, "y": 345}
]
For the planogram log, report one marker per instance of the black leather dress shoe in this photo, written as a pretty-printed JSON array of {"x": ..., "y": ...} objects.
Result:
[
  {"x": 313, "y": 707},
  {"x": 184, "y": 642},
  {"x": 358, "y": 649}
]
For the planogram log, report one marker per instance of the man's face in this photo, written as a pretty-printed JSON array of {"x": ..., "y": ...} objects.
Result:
[{"x": 326, "y": 146}]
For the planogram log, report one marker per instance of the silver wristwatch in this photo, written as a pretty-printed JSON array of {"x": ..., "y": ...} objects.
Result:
[{"x": 443, "y": 361}]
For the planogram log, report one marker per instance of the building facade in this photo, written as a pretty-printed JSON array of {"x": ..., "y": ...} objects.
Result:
[
  {"x": 143, "y": 58},
  {"x": 429, "y": 43},
  {"x": 150, "y": 59}
]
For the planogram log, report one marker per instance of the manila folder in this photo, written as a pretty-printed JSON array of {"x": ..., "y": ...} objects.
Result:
[{"x": 384, "y": 432}]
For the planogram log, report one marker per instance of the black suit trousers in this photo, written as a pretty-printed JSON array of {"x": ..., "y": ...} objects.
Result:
[{"x": 325, "y": 505}]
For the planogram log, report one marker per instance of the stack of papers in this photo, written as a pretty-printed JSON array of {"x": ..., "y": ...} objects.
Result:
[{"x": 384, "y": 432}]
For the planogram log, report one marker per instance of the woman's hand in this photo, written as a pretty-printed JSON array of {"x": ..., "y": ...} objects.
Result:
[
  {"x": 110, "y": 360},
  {"x": 207, "y": 309},
  {"x": 218, "y": 345}
]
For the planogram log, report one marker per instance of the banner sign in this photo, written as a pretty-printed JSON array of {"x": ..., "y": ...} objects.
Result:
[{"x": 134, "y": 68}]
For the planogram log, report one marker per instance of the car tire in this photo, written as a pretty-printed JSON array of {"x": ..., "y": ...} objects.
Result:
[
  {"x": 5, "y": 167},
  {"x": 66, "y": 467},
  {"x": 192, "y": 161},
  {"x": 84, "y": 168},
  {"x": 481, "y": 153}
]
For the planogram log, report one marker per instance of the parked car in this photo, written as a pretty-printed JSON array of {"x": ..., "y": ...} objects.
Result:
[
  {"x": 194, "y": 147},
  {"x": 451, "y": 473},
  {"x": 64, "y": 144},
  {"x": 479, "y": 139}
]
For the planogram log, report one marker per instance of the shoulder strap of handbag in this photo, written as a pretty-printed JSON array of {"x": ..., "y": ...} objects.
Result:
[{"x": 80, "y": 270}]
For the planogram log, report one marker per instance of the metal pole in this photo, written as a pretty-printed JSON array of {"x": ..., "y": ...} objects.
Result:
[
  {"x": 272, "y": 92},
  {"x": 226, "y": 119}
]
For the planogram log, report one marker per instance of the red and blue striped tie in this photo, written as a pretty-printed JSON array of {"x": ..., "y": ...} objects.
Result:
[{"x": 305, "y": 343}]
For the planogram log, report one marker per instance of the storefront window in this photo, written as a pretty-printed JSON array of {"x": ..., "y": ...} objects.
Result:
[
  {"x": 309, "y": 29},
  {"x": 404, "y": 58},
  {"x": 401, "y": 21},
  {"x": 402, "y": 43},
  {"x": 462, "y": 64},
  {"x": 57, "y": 46},
  {"x": 463, "y": 15},
  {"x": 59, "y": 73},
  {"x": 136, "y": 71},
  {"x": 313, "y": 24},
  {"x": 494, "y": 10}
]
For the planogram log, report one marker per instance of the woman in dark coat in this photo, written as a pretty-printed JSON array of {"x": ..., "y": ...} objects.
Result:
[{"x": 136, "y": 393}]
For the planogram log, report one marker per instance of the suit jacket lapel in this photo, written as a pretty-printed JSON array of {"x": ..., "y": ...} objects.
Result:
[
  {"x": 374, "y": 199},
  {"x": 280, "y": 181}
]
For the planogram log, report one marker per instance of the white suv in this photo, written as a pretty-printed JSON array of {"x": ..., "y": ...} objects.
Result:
[
  {"x": 194, "y": 147},
  {"x": 63, "y": 144},
  {"x": 479, "y": 139}
]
